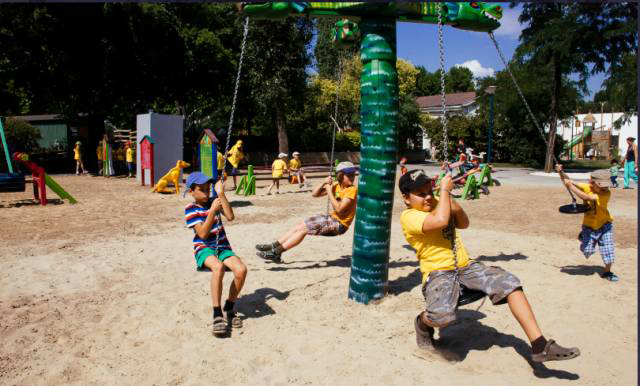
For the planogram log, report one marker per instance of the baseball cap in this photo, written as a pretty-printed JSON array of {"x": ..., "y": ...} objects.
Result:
[
  {"x": 413, "y": 180},
  {"x": 282, "y": 155},
  {"x": 345, "y": 167},
  {"x": 196, "y": 178},
  {"x": 295, "y": 153}
]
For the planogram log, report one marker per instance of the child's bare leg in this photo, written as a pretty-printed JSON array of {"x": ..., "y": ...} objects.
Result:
[
  {"x": 273, "y": 182},
  {"x": 297, "y": 235},
  {"x": 289, "y": 233},
  {"x": 523, "y": 313},
  {"x": 277, "y": 182},
  {"x": 239, "y": 270},
  {"x": 217, "y": 273}
]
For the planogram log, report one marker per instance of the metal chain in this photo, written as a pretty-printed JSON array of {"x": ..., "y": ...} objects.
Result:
[
  {"x": 513, "y": 79},
  {"x": 442, "y": 89},
  {"x": 233, "y": 111},
  {"x": 451, "y": 225},
  {"x": 335, "y": 123}
]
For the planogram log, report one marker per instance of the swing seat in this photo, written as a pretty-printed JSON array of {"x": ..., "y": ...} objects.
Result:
[
  {"x": 12, "y": 182},
  {"x": 573, "y": 208},
  {"x": 468, "y": 296}
]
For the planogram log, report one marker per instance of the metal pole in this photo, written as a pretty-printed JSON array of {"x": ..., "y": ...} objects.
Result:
[
  {"x": 490, "y": 127},
  {"x": 573, "y": 121}
]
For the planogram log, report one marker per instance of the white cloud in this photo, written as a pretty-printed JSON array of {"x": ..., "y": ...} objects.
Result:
[
  {"x": 476, "y": 68},
  {"x": 509, "y": 25}
]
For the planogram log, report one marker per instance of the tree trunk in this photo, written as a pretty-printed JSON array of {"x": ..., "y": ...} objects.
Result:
[
  {"x": 283, "y": 140},
  {"x": 555, "y": 97},
  {"x": 379, "y": 148}
]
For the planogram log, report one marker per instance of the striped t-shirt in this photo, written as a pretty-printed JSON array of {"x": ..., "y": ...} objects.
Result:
[{"x": 196, "y": 214}]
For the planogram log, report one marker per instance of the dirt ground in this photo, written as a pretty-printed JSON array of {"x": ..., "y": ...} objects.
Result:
[{"x": 104, "y": 292}]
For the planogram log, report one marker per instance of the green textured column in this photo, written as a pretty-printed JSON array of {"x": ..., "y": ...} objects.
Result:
[{"x": 379, "y": 113}]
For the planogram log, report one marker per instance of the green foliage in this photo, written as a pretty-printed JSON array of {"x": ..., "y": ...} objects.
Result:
[
  {"x": 21, "y": 136},
  {"x": 457, "y": 79},
  {"x": 348, "y": 141}
]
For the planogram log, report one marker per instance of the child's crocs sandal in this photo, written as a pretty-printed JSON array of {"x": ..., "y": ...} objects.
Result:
[
  {"x": 269, "y": 256},
  {"x": 234, "y": 320},
  {"x": 554, "y": 352},
  {"x": 264, "y": 247},
  {"x": 219, "y": 327},
  {"x": 610, "y": 276}
]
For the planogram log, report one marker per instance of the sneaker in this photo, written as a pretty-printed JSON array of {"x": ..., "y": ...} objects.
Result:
[
  {"x": 275, "y": 257},
  {"x": 264, "y": 247},
  {"x": 610, "y": 276},
  {"x": 220, "y": 327},
  {"x": 424, "y": 339},
  {"x": 234, "y": 320}
]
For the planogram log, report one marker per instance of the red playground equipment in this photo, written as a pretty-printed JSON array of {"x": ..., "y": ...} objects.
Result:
[{"x": 41, "y": 180}]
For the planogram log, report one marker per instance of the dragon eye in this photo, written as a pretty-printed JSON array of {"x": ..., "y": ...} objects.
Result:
[
  {"x": 498, "y": 8},
  {"x": 474, "y": 4}
]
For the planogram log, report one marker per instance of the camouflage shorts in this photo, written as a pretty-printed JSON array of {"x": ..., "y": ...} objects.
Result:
[
  {"x": 441, "y": 291},
  {"x": 323, "y": 225}
]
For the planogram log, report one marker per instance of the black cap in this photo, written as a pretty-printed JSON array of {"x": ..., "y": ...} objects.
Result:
[{"x": 412, "y": 180}]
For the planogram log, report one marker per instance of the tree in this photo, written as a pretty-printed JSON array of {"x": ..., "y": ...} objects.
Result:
[
  {"x": 459, "y": 79},
  {"x": 569, "y": 37},
  {"x": 427, "y": 83},
  {"x": 407, "y": 75}
]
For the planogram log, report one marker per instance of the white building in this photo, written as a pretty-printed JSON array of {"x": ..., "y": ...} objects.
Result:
[
  {"x": 568, "y": 128},
  {"x": 463, "y": 103}
]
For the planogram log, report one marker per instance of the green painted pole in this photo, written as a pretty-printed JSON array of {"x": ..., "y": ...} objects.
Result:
[
  {"x": 378, "y": 112},
  {"x": 6, "y": 149}
]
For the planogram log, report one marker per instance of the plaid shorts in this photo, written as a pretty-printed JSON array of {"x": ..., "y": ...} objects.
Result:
[
  {"x": 602, "y": 237},
  {"x": 323, "y": 225},
  {"x": 441, "y": 291}
]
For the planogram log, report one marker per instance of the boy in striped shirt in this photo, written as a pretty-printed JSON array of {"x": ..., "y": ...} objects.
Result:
[{"x": 211, "y": 247}]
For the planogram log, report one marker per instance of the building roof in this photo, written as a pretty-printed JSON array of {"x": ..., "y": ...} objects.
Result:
[
  {"x": 454, "y": 99},
  {"x": 35, "y": 118},
  {"x": 209, "y": 134}
]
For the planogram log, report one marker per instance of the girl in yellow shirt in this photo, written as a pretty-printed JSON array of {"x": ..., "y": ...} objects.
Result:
[
  {"x": 77, "y": 155},
  {"x": 277, "y": 170}
]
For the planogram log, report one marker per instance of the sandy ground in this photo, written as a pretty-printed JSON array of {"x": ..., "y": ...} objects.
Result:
[{"x": 105, "y": 293}]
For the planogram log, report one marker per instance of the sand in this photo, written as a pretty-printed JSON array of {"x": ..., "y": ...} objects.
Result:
[{"x": 105, "y": 293}]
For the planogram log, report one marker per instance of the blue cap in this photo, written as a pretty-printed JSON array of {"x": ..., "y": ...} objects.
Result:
[{"x": 197, "y": 178}]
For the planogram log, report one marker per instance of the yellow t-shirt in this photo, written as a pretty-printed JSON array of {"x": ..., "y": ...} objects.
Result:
[
  {"x": 76, "y": 153},
  {"x": 220, "y": 161},
  {"x": 434, "y": 250},
  {"x": 99, "y": 152},
  {"x": 120, "y": 154},
  {"x": 129, "y": 155},
  {"x": 339, "y": 193},
  {"x": 294, "y": 164},
  {"x": 235, "y": 156},
  {"x": 598, "y": 214},
  {"x": 277, "y": 169}
]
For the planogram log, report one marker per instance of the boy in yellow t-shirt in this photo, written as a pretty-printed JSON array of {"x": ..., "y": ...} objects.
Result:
[
  {"x": 342, "y": 195},
  {"x": 597, "y": 224},
  {"x": 277, "y": 170},
  {"x": 429, "y": 226},
  {"x": 295, "y": 168},
  {"x": 77, "y": 156}
]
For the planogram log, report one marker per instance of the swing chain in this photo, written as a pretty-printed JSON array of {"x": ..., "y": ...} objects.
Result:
[
  {"x": 442, "y": 86},
  {"x": 335, "y": 122},
  {"x": 513, "y": 79},
  {"x": 233, "y": 110}
]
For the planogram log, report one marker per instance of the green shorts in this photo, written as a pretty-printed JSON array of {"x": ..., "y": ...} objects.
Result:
[{"x": 202, "y": 255}]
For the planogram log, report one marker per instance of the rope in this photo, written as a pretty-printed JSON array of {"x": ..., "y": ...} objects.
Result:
[
  {"x": 533, "y": 118},
  {"x": 335, "y": 121},
  {"x": 233, "y": 111}
]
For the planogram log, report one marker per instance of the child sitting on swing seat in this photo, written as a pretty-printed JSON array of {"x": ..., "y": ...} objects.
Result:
[
  {"x": 342, "y": 195},
  {"x": 429, "y": 227}
]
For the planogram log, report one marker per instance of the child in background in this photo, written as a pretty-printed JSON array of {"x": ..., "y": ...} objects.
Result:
[
  {"x": 77, "y": 155},
  {"x": 614, "y": 173},
  {"x": 597, "y": 224},
  {"x": 295, "y": 168},
  {"x": 403, "y": 169},
  {"x": 429, "y": 226},
  {"x": 129, "y": 153},
  {"x": 99, "y": 154},
  {"x": 211, "y": 247},
  {"x": 277, "y": 170},
  {"x": 220, "y": 164}
]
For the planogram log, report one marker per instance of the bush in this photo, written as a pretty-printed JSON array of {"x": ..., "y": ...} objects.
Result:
[
  {"x": 348, "y": 141},
  {"x": 21, "y": 136}
]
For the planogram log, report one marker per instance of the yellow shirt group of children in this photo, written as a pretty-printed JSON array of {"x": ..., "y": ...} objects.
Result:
[{"x": 279, "y": 166}]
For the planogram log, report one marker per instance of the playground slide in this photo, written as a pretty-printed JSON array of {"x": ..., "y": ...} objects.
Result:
[
  {"x": 578, "y": 138},
  {"x": 57, "y": 189}
]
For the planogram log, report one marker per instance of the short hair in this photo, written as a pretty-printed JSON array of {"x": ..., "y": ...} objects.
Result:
[
  {"x": 631, "y": 139},
  {"x": 614, "y": 161}
]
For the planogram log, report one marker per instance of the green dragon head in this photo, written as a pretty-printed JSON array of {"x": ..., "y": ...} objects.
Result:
[{"x": 474, "y": 16}]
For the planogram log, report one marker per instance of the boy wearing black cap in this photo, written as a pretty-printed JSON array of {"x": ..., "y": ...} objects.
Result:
[
  {"x": 211, "y": 247},
  {"x": 429, "y": 226}
]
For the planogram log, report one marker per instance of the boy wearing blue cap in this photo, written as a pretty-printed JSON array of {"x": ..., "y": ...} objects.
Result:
[{"x": 211, "y": 247}]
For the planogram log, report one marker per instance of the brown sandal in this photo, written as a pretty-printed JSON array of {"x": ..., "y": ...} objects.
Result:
[
  {"x": 234, "y": 320},
  {"x": 554, "y": 352},
  {"x": 219, "y": 327}
]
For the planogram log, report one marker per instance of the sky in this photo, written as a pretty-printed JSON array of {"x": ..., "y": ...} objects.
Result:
[{"x": 418, "y": 43}]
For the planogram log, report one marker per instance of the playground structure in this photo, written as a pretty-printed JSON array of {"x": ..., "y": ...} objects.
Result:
[
  {"x": 172, "y": 177},
  {"x": 166, "y": 132},
  {"x": 379, "y": 111},
  {"x": 208, "y": 154},
  {"x": 247, "y": 184}
]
